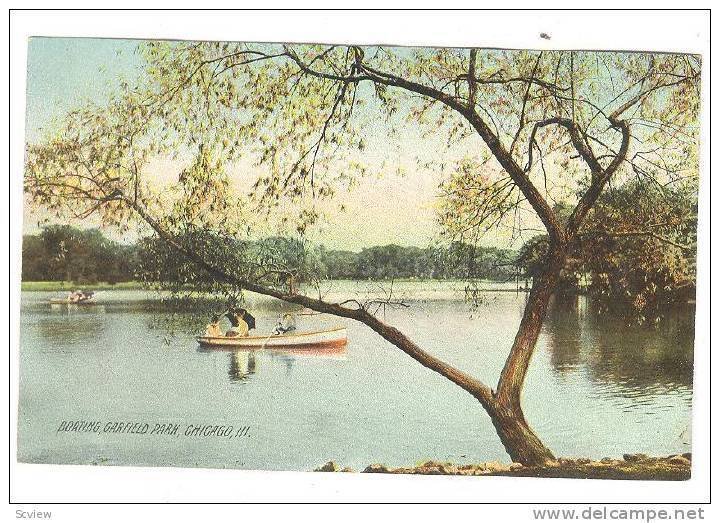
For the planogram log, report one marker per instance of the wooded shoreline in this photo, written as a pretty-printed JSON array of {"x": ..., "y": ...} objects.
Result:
[
  {"x": 51, "y": 286},
  {"x": 57, "y": 286},
  {"x": 66, "y": 253}
]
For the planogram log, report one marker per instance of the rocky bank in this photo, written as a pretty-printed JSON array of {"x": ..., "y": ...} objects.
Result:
[{"x": 632, "y": 466}]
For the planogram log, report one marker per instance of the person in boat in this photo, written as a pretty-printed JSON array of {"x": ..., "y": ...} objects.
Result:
[
  {"x": 241, "y": 321},
  {"x": 285, "y": 324},
  {"x": 212, "y": 330},
  {"x": 76, "y": 296},
  {"x": 249, "y": 319}
]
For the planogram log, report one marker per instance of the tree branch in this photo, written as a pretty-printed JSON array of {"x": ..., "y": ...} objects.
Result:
[
  {"x": 590, "y": 196},
  {"x": 478, "y": 389},
  {"x": 576, "y": 136},
  {"x": 518, "y": 175},
  {"x": 472, "y": 84}
]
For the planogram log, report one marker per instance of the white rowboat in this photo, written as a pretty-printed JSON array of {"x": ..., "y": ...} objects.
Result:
[
  {"x": 65, "y": 301},
  {"x": 331, "y": 338}
]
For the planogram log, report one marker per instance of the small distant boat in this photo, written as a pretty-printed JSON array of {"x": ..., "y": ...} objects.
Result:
[
  {"x": 65, "y": 301},
  {"x": 88, "y": 298},
  {"x": 326, "y": 339}
]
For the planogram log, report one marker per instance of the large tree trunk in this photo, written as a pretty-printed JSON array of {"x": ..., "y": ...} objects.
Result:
[
  {"x": 521, "y": 443},
  {"x": 513, "y": 374},
  {"x": 519, "y": 440}
]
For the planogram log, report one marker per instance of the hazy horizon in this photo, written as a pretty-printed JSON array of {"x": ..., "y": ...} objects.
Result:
[{"x": 64, "y": 73}]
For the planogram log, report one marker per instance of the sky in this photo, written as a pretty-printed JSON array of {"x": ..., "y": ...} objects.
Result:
[{"x": 384, "y": 208}]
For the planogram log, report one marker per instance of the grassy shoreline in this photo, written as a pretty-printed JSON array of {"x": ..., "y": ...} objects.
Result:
[{"x": 51, "y": 286}]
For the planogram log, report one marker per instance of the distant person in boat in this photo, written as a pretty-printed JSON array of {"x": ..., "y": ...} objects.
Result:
[
  {"x": 285, "y": 324},
  {"x": 78, "y": 296},
  {"x": 213, "y": 328},
  {"x": 241, "y": 321}
]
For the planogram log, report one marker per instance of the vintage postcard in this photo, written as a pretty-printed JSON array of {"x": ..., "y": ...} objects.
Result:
[{"x": 345, "y": 258}]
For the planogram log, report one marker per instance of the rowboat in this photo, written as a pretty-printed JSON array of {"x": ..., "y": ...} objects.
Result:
[
  {"x": 327, "y": 339},
  {"x": 65, "y": 301}
]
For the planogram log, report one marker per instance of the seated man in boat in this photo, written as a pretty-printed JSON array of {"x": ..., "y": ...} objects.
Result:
[
  {"x": 212, "y": 330},
  {"x": 285, "y": 325}
]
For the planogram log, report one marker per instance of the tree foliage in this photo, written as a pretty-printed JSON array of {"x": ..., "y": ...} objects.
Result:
[
  {"x": 65, "y": 253},
  {"x": 308, "y": 263},
  {"x": 523, "y": 131},
  {"x": 638, "y": 251},
  {"x": 645, "y": 262},
  {"x": 304, "y": 114}
]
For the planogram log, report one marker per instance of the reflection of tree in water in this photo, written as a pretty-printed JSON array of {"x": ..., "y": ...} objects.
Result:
[
  {"x": 70, "y": 323},
  {"x": 242, "y": 365},
  {"x": 638, "y": 360},
  {"x": 564, "y": 327}
]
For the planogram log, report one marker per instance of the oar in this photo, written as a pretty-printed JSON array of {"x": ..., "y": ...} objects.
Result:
[{"x": 266, "y": 340}]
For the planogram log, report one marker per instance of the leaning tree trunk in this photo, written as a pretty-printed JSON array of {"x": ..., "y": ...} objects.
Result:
[{"x": 519, "y": 440}]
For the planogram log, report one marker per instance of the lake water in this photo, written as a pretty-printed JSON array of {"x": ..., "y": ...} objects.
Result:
[{"x": 595, "y": 388}]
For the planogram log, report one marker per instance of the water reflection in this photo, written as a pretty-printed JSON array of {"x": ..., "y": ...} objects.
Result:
[
  {"x": 564, "y": 325},
  {"x": 70, "y": 309},
  {"x": 287, "y": 359},
  {"x": 629, "y": 361},
  {"x": 69, "y": 324},
  {"x": 635, "y": 360},
  {"x": 244, "y": 363},
  {"x": 109, "y": 359}
]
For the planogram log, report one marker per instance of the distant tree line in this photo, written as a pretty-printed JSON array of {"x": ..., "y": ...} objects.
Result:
[
  {"x": 66, "y": 253},
  {"x": 639, "y": 266},
  {"x": 456, "y": 261}
]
